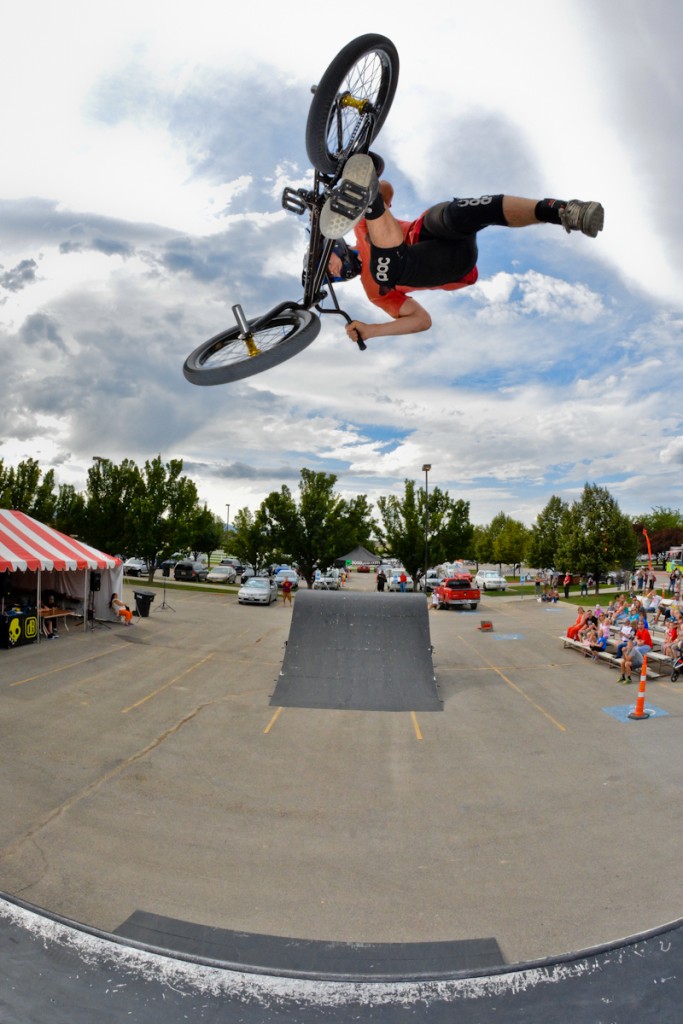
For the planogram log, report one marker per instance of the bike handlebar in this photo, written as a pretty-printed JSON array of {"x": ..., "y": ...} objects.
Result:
[{"x": 359, "y": 341}]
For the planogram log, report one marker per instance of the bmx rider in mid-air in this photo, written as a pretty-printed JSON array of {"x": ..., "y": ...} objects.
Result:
[{"x": 438, "y": 250}]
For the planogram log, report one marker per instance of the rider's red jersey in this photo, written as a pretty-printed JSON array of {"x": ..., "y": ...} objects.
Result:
[{"x": 391, "y": 302}]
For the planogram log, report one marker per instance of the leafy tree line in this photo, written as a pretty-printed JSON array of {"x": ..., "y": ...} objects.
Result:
[
  {"x": 150, "y": 511},
  {"x": 154, "y": 511}
]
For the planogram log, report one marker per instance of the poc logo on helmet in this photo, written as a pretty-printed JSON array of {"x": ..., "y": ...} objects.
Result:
[{"x": 382, "y": 271}]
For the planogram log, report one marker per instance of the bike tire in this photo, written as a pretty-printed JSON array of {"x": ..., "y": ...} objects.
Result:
[
  {"x": 225, "y": 357},
  {"x": 367, "y": 67}
]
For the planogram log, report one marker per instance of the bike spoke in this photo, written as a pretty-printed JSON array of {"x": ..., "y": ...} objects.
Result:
[
  {"x": 235, "y": 349},
  {"x": 357, "y": 96}
]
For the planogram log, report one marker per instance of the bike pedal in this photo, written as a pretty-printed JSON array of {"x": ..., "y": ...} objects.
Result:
[
  {"x": 292, "y": 201},
  {"x": 350, "y": 199}
]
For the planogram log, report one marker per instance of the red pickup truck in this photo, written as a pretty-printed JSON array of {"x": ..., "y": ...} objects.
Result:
[{"x": 458, "y": 591}]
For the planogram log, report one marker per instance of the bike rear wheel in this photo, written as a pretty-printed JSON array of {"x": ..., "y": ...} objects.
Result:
[
  {"x": 351, "y": 102},
  {"x": 274, "y": 338}
]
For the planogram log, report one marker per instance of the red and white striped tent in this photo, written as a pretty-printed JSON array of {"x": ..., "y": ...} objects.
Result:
[{"x": 38, "y": 558}]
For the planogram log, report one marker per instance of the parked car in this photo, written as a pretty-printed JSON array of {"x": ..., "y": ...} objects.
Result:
[
  {"x": 188, "y": 570},
  {"x": 257, "y": 590},
  {"x": 287, "y": 574},
  {"x": 488, "y": 579},
  {"x": 235, "y": 563},
  {"x": 222, "y": 574},
  {"x": 429, "y": 581},
  {"x": 363, "y": 568},
  {"x": 135, "y": 567},
  {"x": 394, "y": 581},
  {"x": 327, "y": 580}
]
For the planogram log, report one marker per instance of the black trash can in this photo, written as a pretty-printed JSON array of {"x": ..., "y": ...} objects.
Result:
[{"x": 143, "y": 599}]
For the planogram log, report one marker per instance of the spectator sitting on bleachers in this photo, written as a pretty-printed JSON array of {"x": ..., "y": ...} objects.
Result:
[
  {"x": 620, "y": 610},
  {"x": 627, "y": 632},
  {"x": 669, "y": 612},
  {"x": 650, "y": 602},
  {"x": 632, "y": 658},
  {"x": 674, "y": 633},
  {"x": 602, "y": 633},
  {"x": 589, "y": 638},
  {"x": 643, "y": 638},
  {"x": 574, "y": 630},
  {"x": 590, "y": 622}
]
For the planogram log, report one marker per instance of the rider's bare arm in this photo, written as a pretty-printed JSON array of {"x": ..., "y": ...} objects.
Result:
[{"x": 411, "y": 319}]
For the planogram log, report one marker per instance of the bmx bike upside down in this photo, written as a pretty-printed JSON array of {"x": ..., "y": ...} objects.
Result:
[{"x": 349, "y": 106}]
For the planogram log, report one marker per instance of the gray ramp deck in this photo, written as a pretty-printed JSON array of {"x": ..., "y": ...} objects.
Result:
[{"x": 358, "y": 652}]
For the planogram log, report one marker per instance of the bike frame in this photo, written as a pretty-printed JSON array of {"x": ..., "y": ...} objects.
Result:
[{"x": 317, "y": 285}]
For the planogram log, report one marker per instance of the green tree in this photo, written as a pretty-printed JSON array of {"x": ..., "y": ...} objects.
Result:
[
  {"x": 403, "y": 525},
  {"x": 251, "y": 539},
  {"x": 482, "y": 544},
  {"x": 70, "y": 511},
  {"x": 545, "y": 533},
  {"x": 110, "y": 493},
  {"x": 320, "y": 528},
  {"x": 595, "y": 535},
  {"x": 511, "y": 542},
  {"x": 504, "y": 540},
  {"x": 207, "y": 532},
  {"x": 163, "y": 511},
  {"x": 23, "y": 490},
  {"x": 406, "y": 524}
]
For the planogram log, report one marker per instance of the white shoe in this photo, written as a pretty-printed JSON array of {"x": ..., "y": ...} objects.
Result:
[{"x": 348, "y": 202}]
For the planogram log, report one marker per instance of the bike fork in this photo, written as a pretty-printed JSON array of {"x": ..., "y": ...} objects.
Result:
[{"x": 245, "y": 331}]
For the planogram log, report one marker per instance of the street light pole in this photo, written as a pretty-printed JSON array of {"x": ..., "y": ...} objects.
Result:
[{"x": 425, "y": 470}]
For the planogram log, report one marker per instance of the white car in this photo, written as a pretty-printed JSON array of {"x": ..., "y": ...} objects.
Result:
[
  {"x": 257, "y": 590},
  {"x": 487, "y": 579},
  {"x": 327, "y": 581},
  {"x": 222, "y": 574},
  {"x": 135, "y": 567},
  {"x": 429, "y": 581},
  {"x": 395, "y": 580}
]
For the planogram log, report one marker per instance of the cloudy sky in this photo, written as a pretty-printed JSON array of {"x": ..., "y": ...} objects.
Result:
[{"x": 145, "y": 147}]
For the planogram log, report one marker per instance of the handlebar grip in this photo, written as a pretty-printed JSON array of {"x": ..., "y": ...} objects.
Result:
[{"x": 359, "y": 341}]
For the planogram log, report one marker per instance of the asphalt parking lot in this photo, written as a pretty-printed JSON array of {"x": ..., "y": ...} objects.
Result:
[{"x": 144, "y": 768}]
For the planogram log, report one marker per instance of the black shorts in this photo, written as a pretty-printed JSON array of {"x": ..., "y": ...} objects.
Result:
[{"x": 446, "y": 249}]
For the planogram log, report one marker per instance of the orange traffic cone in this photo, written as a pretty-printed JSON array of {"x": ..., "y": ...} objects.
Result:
[{"x": 639, "y": 711}]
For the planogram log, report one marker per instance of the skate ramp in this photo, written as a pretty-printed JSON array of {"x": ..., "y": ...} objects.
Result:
[
  {"x": 358, "y": 652},
  {"x": 56, "y": 970}
]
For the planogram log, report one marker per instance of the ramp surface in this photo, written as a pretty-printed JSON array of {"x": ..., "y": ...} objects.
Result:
[
  {"x": 56, "y": 970},
  {"x": 358, "y": 652}
]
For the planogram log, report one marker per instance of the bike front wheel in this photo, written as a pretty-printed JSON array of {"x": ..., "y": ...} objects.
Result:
[
  {"x": 272, "y": 339},
  {"x": 351, "y": 102}
]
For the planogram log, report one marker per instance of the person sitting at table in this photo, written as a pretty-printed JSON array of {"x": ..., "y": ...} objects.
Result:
[
  {"x": 49, "y": 625},
  {"x": 121, "y": 609}
]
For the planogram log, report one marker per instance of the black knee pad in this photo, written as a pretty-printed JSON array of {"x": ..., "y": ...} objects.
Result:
[{"x": 386, "y": 265}]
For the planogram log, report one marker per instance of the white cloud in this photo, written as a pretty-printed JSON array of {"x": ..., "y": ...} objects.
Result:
[{"x": 144, "y": 184}]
